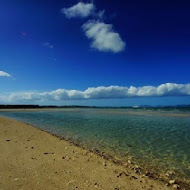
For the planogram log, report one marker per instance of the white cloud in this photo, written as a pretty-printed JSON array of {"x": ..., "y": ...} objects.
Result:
[
  {"x": 101, "y": 92},
  {"x": 103, "y": 37},
  {"x": 4, "y": 74},
  {"x": 79, "y": 10}
]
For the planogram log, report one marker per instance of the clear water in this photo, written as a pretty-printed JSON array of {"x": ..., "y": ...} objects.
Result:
[{"x": 156, "y": 140}]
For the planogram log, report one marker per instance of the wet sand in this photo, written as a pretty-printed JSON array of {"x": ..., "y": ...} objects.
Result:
[{"x": 33, "y": 159}]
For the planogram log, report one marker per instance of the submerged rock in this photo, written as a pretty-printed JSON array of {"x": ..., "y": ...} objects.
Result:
[
  {"x": 136, "y": 167},
  {"x": 171, "y": 182},
  {"x": 176, "y": 186},
  {"x": 169, "y": 173}
]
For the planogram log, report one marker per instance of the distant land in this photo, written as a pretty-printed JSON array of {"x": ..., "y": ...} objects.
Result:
[{"x": 102, "y": 107}]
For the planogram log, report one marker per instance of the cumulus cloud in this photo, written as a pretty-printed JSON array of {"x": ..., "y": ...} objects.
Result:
[
  {"x": 79, "y": 10},
  {"x": 101, "y": 92},
  {"x": 4, "y": 74},
  {"x": 103, "y": 37}
]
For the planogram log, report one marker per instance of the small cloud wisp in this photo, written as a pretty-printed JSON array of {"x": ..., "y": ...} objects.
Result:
[
  {"x": 4, "y": 74},
  {"x": 48, "y": 45},
  {"x": 81, "y": 10}
]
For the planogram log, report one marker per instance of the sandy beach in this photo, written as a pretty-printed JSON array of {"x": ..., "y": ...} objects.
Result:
[{"x": 33, "y": 159}]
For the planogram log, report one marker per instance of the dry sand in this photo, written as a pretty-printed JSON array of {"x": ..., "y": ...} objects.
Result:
[{"x": 33, "y": 159}]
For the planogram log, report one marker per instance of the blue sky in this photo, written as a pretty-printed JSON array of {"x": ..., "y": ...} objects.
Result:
[{"x": 106, "y": 45}]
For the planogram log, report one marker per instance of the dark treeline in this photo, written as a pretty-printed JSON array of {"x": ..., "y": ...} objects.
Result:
[
  {"x": 18, "y": 106},
  {"x": 38, "y": 106}
]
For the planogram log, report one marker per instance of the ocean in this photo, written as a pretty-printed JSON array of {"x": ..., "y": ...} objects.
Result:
[{"x": 156, "y": 140}]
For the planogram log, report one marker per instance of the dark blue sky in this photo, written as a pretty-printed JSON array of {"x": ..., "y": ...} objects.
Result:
[{"x": 156, "y": 33}]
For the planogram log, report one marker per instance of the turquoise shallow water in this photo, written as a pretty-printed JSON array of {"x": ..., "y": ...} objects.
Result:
[{"x": 156, "y": 140}]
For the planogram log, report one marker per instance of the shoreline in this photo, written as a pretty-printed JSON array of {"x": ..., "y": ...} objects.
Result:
[{"x": 125, "y": 174}]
